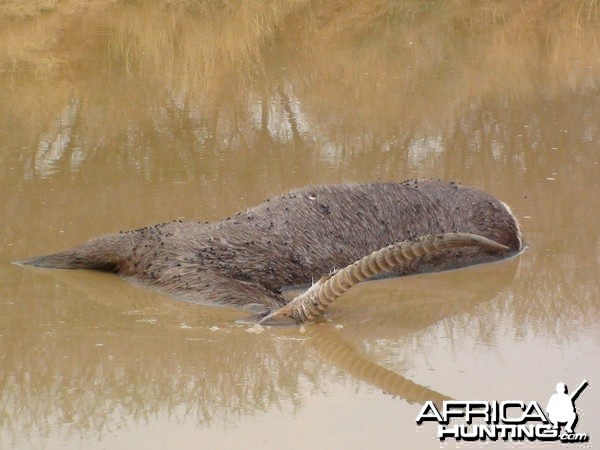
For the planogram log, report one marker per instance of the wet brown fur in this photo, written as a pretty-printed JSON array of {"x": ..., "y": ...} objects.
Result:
[{"x": 245, "y": 261}]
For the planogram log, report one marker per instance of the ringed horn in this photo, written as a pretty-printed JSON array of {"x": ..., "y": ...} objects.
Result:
[{"x": 313, "y": 303}]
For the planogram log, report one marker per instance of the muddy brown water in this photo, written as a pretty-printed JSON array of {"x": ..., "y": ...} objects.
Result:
[{"x": 120, "y": 115}]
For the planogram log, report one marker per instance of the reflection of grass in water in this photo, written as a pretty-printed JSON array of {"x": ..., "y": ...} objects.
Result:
[
  {"x": 200, "y": 51},
  {"x": 420, "y": 65},
  {"x": 216, "y": 51},
  {"x": 415, "y": 63},
  {"x": 432, "y": 56},
  {"x": 94, "y": 365},
  {"x": 428, "y": 67},
  {"x": 352, "y": 59}
]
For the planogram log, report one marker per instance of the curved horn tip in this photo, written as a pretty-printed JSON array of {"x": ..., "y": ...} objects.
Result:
[
  {"x": 490, "y": 243},
  {"x": 474, "y": 239}
]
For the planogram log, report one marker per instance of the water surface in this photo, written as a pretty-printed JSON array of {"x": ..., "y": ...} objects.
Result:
[{"x": 122, "y": 114}]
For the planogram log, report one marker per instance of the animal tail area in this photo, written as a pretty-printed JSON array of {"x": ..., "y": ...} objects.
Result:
[{"x": 107, "y": 253}]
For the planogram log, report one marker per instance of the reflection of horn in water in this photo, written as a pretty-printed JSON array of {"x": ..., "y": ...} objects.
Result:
[
  {"x": 404, "y": 306},
  {"x": 114, "y": 353},
  {"x": 335, "y": 350}
]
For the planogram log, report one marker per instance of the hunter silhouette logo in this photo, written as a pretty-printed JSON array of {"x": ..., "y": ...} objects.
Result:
[
  {"x": 561, "y": 406},
  {"x": 507, "y": 420}
]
